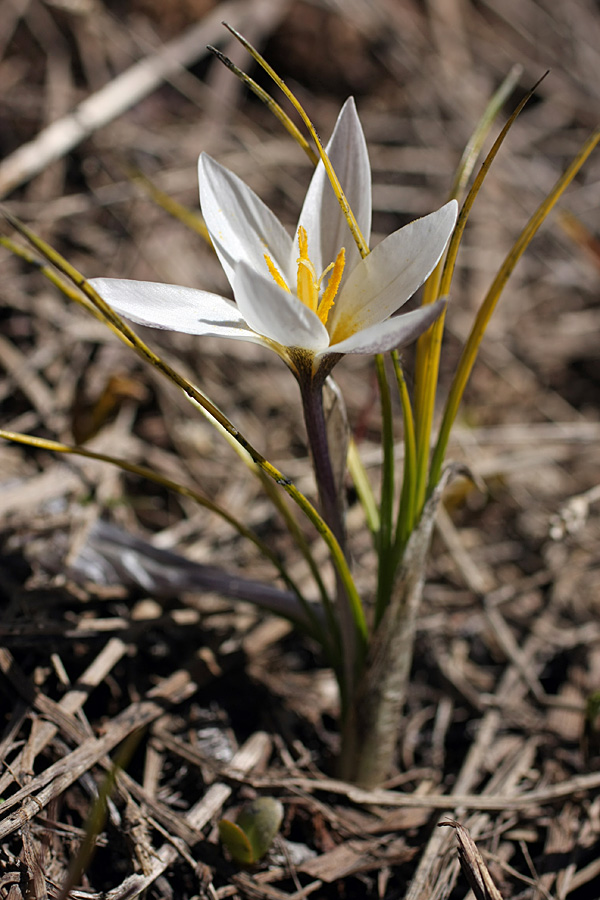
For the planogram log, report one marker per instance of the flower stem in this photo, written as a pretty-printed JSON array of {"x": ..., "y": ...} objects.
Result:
[
  {"x": 385, "y": 572},
  {"x": 316, "y": 430},
  {"x": 351, "y": 618}
]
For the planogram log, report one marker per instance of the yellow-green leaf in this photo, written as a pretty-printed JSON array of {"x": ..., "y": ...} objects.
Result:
[
  {"x": 251, "y": 836},
  {"x": 236, "y": 842}
]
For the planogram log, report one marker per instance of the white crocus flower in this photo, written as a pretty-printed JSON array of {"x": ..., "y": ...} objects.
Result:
[{"x": 311, "y": 298}]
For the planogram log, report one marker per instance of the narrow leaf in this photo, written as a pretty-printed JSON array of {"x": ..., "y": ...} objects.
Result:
[
  {"x": 270, "y": 103},
  {"x": 486, "y": 309},
  {"x": 429, "y": 344},
  {"x": 184, "y": 491},
  {"x": 334, "y": 180}
]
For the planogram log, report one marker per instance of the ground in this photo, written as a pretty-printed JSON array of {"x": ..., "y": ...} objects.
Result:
[{"x": 204, "y": 701}]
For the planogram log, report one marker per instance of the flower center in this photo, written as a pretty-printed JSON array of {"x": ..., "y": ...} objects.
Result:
[{"x": 307, "y": 284}]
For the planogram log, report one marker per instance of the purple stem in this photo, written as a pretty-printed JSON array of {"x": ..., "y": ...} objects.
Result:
[
  {"x": 316, "y": 430},
  {"x": 332, "y": 510}
]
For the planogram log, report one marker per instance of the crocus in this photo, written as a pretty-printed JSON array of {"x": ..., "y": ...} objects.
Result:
[{"x": 311, "y": 298}]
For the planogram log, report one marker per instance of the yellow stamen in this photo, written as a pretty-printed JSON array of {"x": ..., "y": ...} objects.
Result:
[
  {"x": 303, "y": 242},
  {"x": 308, "y": 285},
  {"x": 276, "y": 274},
  {"x": 328, "y": 298},
  {"x": 308, "y": 288}
]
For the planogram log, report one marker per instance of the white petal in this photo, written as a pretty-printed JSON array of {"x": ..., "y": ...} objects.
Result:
[
  {"x": 174, "y": 308},
  {"x": 274, "y": 313},
  {"x": 241, "y": 226},
  {"x": 383, "y": 281},
  {"x": 321, "y": 215},
  {"x": 391, "y": 334}
]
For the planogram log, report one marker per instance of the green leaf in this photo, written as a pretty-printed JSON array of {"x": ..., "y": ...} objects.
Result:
[
  {"x": 248, "y": 839},
  {"x": 236, "y": 842}
]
